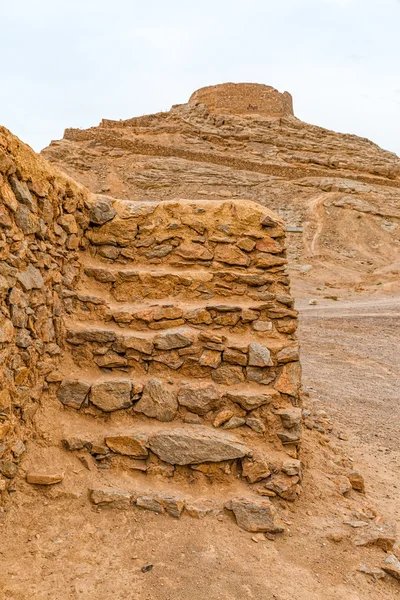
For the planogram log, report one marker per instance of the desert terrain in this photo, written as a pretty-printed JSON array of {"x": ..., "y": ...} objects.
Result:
[{"x": 339, "y": 196}]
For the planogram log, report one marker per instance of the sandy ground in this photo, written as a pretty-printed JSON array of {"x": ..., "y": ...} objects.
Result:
[{"x": 57, "y": 547}]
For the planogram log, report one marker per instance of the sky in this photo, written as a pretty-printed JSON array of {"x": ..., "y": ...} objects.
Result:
[{"x": 70, "y": 63}]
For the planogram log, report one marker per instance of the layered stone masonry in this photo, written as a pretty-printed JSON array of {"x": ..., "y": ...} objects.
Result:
[
  {"x": 42, "y": 220},
  {"x": 183, "y": 317}
]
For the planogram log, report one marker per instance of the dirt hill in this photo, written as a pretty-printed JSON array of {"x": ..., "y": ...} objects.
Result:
[{"x": 243, "y": 141}]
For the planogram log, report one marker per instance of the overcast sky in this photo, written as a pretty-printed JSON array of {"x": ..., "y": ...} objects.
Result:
[{"x": 69, "y": 63}]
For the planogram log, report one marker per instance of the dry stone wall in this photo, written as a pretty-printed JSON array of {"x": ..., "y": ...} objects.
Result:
[
  {"x": 163, "y": 332},
  {"x": 41, "y": 224},
  {"x": 183, "y": 317}
]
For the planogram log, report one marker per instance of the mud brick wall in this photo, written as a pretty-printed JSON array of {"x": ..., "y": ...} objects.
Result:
[{"x": 41, "y": 224}]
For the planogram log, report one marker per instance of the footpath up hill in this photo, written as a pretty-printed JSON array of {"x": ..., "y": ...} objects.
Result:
[{"x": 243, "y": 141}]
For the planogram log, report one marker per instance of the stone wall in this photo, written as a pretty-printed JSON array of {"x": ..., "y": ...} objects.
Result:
[
  {"x": 244, "y": 98},
  {"x": 41, "y": 224}
]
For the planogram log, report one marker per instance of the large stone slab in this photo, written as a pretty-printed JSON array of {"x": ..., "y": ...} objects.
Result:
[
  {"x": 111, "y": 395},
  {"x": 255, "y": 516},
  {"x": 196, "y": 445},
  {"x": 198, "y": 397},
  {"x": 158, "y": 401}
]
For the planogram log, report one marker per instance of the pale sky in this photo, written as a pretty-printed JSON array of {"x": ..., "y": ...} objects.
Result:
[{"x": 69, "y": 63}]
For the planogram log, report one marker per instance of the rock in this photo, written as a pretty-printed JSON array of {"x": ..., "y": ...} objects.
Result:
[
  {"x": 111, "y": 395},
  {"x": 255, "y": 468},
  {"x": 357, "y": 481},
  {"x": 111, "y": 497},
  {"x": 5, "y": 427},
  {"x": 290, "y": 417},
  {"x": 292, "y": 467},
  {"x": 255, "y": 517},
  {"x": 234, "y": 422},
  {"x": 202, "y": 509},
  {"x": 287, "y": 355},
  {"x": 289, "y": 380},
  {"x": 285, "y": 487},
  {"x": 259, "y": 356},
  {"x": 6, "y": 330},
  {"x": 290, "y": 436},
  {"x": 192, "y": 419},
  {"x": 160, "y": 251},
  {"x": 374, "y": 572},
  {"x": 143, "y": 345},
  {"x": 157, "y": 401},
  {"x": 396, "y": 550},
  {"x": 31, "y": 278},
  {"x": 180, "y": 338},
  {"x": 260, "y": 375},
  {"x": 250, "y": 401},
  {"x": 313, "y": 302},
  {"x": 228, "y": 375},
  {"x": 111, "y": 360},
  {"x": 392, "y": 566},
  {"x": 231, "y": 255},
  {"x": 44, "y": 477},
  {"x": 378, "y": 533},
  {"x": 210, "y": 358},
  {"x": 161, "y": 503},
  {"x": 73, "y": 393},
  {"x": 184, "y": 447},
  {"x": 235, "y": 357},
  {"x": 102, "y": 212},
  {"x": 255, "y": 424},
  {"x": 8, "y": 469},
  {"x": 262, "y": 326},
  {"x": 223, "y": 416},
  {"x": 129, "y": 445},
  {"x": 22, "y": 193},
  {"x": 199, "y": 398}
]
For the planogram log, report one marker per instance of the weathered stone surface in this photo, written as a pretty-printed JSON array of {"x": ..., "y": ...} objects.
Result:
[
  {"x": 158, "y": 401},
  {"x": 235, "y": 357},
  {"x": 254, "y": 517},
  {"x": 287, "y": 355},
  {"x": 222, "y": 416},
  {"x": 129, "y": 445},
  {"x": 289, "y": 380},
  {"x": 234, "y": 422},
  {"x": 290, "y": 417},
  {"x": 73, "y": 393},
  {"x": 228, "y": 375},
  {"x": 8, "y": 469},
  {"x": 31, "y": 278},
  {"x": 255, "y": 424},
  {"x": 110, "y": 497},
  {"x": 210, "y": 358},
  {"x": 180, "y": 338},
  {"x": 259, "y": 356},
  {"x": 44, "y": 477},
  {"x": 102, "y": 212},
  {"x": 22, "y": 193},
  {"x": 161, "y": 503},
  {"x": 250, "y": 401},
  {"x": 133, "y": 342},
  {"x": 231, "y": 255},
  {"x": 199, "y": 398},
  {"x": 184, "y": 447},
  {"x": 285, "y": 487},
  {"x": 264, "y": 376},
  {"x": 357, "y": 481},
  {"x": 255, "y": 468},
  {"x": 392, "y": 566},
  {"x": 6, "y": 330},
  {"x": 378, "y": 533},
  {"x": 111, "y": 395}
]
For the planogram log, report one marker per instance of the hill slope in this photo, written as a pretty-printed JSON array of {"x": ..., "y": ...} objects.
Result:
[{"x": 242, "y": 141}]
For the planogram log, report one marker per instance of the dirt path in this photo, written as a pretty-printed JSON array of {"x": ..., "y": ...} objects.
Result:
[{"x": 351, "y": 362}]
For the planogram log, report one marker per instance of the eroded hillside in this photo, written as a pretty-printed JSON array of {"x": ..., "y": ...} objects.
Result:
[{"x": 241, "y": 141}]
